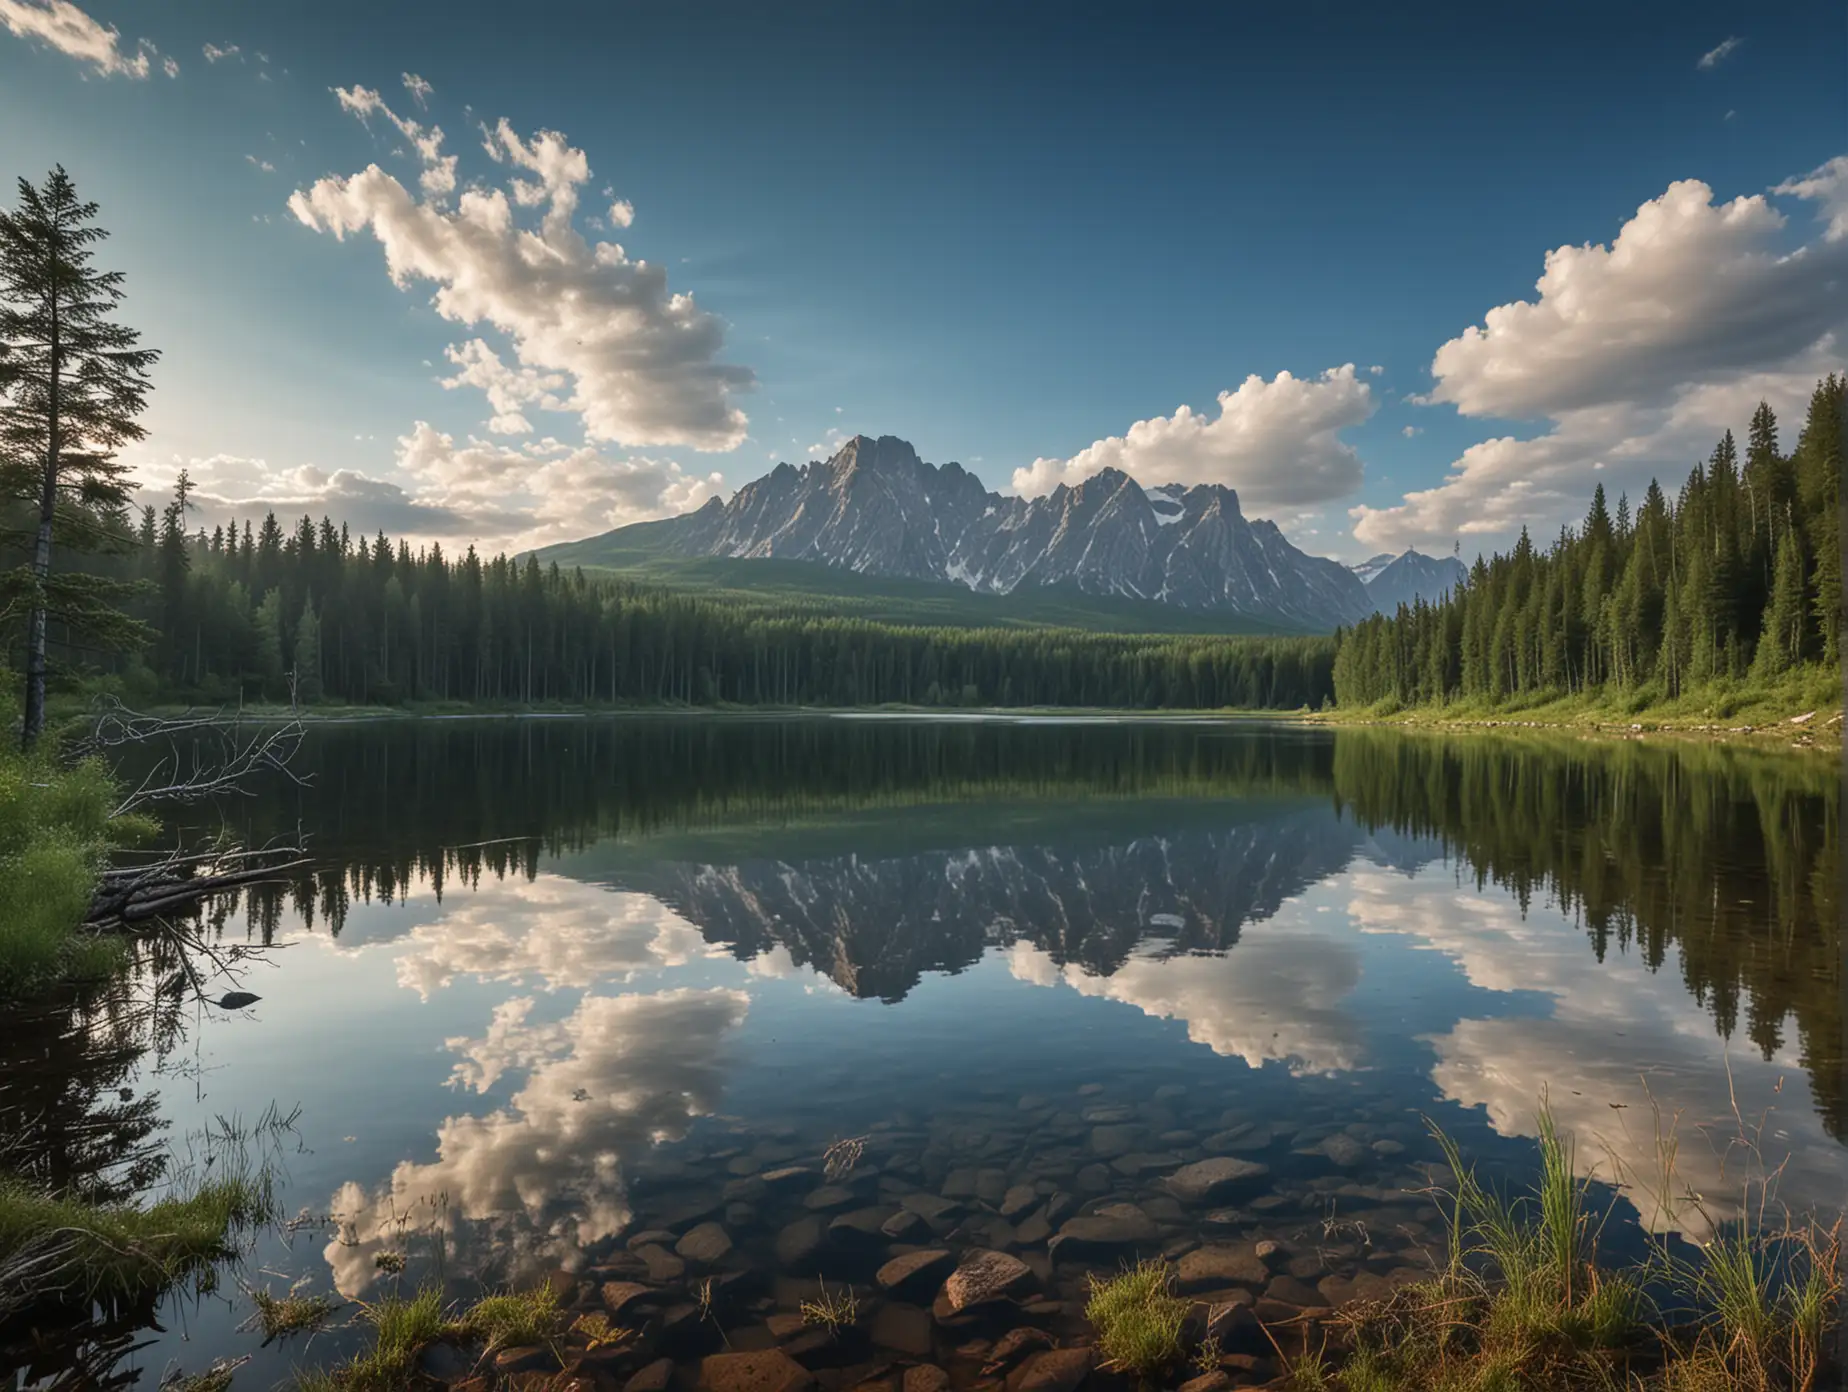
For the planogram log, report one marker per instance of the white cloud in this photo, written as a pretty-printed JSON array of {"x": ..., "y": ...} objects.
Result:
[
  {"x": 558, "y": 932},
  {"x": 507, "y": 388},
  {"x": 1638, "y": 355},
  {"x": 438, "y": 179},
  {"x": 622, "y": 213},
  {"x": 1276, "y": 995},
  {"x": 1411, "y": 431},
  {"x": 1826, "y": 186},
  {"x": 218, "y": 53},
  {"x": 1277, "y": 442},
  {"x": 557, "y": 492},
  {"x": 541, "y": 1178},
  {"x": 420, "y": 90},
  {"x": 232, "y": 489},
  {"x": 1603, "y": 1095},
  {"x": 62, "y": 25},
  {"x": 1719, "y": 53},
  {"x": 261, "y": 164},
  {"x": 642, "y": 360}
]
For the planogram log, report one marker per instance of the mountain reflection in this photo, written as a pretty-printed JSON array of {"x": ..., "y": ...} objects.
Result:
[{"x": 876, "y": 852}]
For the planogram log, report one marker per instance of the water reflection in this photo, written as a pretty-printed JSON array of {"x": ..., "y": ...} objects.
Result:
[
  {"x": 586, "y": 966},
  {"x": 541, "y": 1177}
]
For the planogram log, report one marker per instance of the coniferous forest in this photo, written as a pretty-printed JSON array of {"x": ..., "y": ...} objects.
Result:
[
  {"x": 315, "y": 614},
  {"x": 1737, "y": 577}
]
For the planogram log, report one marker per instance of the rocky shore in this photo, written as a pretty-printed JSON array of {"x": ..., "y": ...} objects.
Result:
[{"x": 958, "y": 1252}]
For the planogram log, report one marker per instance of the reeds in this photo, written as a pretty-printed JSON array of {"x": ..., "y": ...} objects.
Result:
[{"x": 1522, "y": 1301}]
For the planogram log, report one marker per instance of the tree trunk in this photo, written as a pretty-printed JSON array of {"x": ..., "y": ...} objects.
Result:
[{"x": 34, "y": 722}]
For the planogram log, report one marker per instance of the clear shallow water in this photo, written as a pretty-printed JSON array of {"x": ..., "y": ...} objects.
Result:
[{"x": 557, "y": 983}]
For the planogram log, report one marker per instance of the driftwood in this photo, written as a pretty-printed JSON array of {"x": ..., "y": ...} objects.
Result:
[
  {"x": 207, "y": 754},
  {"x": 129, "y": 895}
]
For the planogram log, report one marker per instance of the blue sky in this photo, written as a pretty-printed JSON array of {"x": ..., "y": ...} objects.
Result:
[{"x": 1006, "y": 237}]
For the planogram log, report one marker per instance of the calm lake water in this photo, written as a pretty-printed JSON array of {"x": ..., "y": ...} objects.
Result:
[{"x": 556, "y": 983}]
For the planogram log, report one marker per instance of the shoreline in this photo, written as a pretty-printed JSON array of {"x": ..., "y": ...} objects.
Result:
[{"x": 1813, "y": 731}]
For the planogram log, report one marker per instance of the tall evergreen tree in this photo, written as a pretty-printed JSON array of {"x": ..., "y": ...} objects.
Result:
[{"x": 73, "y": 381}]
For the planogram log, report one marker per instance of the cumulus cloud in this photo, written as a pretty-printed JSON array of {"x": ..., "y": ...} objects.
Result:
[
  {"x": 1719, "y": 53},
  {"x": 1276, "y": 995},
  {"x": 61, "y": 25},
  {"x": 261, "y": 164},
  {"x": 642, "y": 360},
  {"x": 508, "y": 389},
  {"x": 1277, "y": 442},
  {"x": 438, "y": 179},
  {"x": 1670, "y": 1053},
  {"x": 1826, "y": 186},
  {"x": 542, "y": 1177},
  {"x": 231, "y": 489},
  {"x": 420, "y": 90},
  {"x": 556, "y": 932},
  {"x": 1637, "y": 355},
  {"x": 219, "y": 53},
  {"x": 557, "y": 491}
]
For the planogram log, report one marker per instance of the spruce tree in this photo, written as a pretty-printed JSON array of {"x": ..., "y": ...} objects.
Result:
[
  {"x": 72, "y": 382},
  {"x": 1780, "y": 644}
]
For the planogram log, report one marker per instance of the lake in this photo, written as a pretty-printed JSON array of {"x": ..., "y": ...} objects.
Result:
[{"x": 556, "y": 985}]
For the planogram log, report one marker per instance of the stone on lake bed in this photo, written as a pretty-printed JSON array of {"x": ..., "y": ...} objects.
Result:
[
  {"x": 862, "y": 1227},
  {"x": 800, "y": 1241},
  {"x": 1101, "y": 1116},
  {"x": 770, "y": 1371},
  {"x": 658, "y": 1376},
  {"x": 902, "y": 1328},
  {"x": 663, "y": 1265},
  {"x": 1109, "y": 1141},
  {"x": 618, "y": 1295},
  {"x": 983, "y": 1276},
  {"x": 705, "y": 1245},
  {"x": 830, "y": 1196},
  {"x": 933, "y": 1208},
  {"x": 1145, "y": 1162},
  {"x": 915, "y": 1269},
  {"x": 1208, "y": 1181},
  {"x": 1019, "y": 1200},
  {"x": 1110, "y": 1228},
  {"x": 905, "y": 1226},
  {"x": 1208, "y": 1268},
  {"x": 1344, "y": 1150},
  {"x": 926, "y": 1377},
  {"x": 1052, "y": 1370}
]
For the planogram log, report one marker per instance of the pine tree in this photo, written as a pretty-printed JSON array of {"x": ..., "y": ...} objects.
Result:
[
  {"x": 1780, "y": 641},
  {"x": 73, "y": 383},
  {"x": 269, "y": 641},
  {"x": 307, "y": 669}
]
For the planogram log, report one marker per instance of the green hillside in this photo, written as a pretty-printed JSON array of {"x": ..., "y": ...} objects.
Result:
[{"x": 637, "y": 553}]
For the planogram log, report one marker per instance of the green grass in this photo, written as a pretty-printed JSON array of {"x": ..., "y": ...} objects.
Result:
[
  {"x": 403, "y": 1328},
  {"x": 1138, "y": 1319},
  {"x": 279, "y": 1316},
  {"x": 55, "y": 831},
  {"x": 1523, "y": 1303},
  {"x": 1766, "y": 706},
  {"x": 63, "y": 1248}
]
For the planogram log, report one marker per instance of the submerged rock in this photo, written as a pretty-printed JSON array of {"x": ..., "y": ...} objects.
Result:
[
  {"x": 1055, "y": 1370},
  {"x": 770, "y": 1371},
  {"x": 915, "y": 1270},
  {"x": 1103, "y": 1233},
  {"x": 705, "y": 1245},
  {"x": 983, "y": 1276},
  {"x": 1211, "y": 1181}
]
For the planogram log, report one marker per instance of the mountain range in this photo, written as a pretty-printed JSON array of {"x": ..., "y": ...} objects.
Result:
[{"x": 876, "y": 509}]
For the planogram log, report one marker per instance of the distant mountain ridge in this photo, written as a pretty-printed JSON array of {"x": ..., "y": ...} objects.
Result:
[
  {"x": 1395, "y": 580},
  {"x": 876, "y": 509}
]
